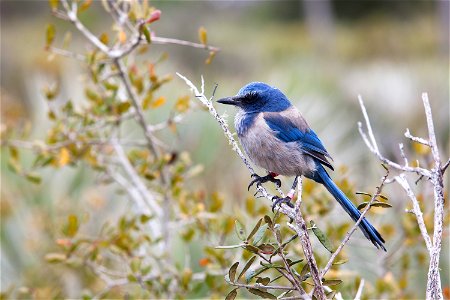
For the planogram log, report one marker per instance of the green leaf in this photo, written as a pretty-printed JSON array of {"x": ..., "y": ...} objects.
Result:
[
  {"x": 261, "y": 293},
  {"x": 332, "y": 282},
  {"x": 71, "y": 227},
  {"x": 232, "y": 271},
  {"x": 291, "y": 263},
  {"x": 33, "y": 177},
  {"x": 260, "y": 234},
  {"x": 263, "y": 280},
  {"x": 50, "y": 35},
  {"x": 247, "y": 266},
  {"x": 375, "y": 203},
  {"x": 55, "y": 257},
  {"x": 240, "y": 231},
  {"x": 268, "y": 221},
  {"x": 250, "y": 274},
  {"x": 146, "y": 33},
  {"x": 255, "y": 229},
  {"x": 304, "y": 271},
  {"x": 231, "y": 295},
  {"x": 123, "y": 107},
  {"x": 322, "y": 237},
  {"x": 340, "y": 262},
  {"x": 251, "y": 248}
]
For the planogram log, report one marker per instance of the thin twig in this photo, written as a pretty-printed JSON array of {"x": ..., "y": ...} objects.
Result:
[
  {"x": 360, "y": 289},
  {"x": 163, "y": 40},
  {"x": 373, "y": 146},
  {"x": 401, "y": 179}
]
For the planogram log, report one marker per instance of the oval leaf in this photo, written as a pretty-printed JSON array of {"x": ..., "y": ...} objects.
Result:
[
  {"x": 255, "y": 229},
  {"x": 260, "y": 234},
  {"x": 322, "y": 237},
  {"x": 232, "y": 271},
  {"x": 231, "y": 295},
  {"x": 247, "y": 266},
  {"x": 261, "y": 293}
]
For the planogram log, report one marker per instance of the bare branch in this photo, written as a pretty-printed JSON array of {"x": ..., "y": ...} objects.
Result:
[
  {"x": 373, "y": 146},
  {"x": 401, "y": 179},
  {"x": 136, "y": 180},
  {"x": 416, "y": 139},
  {"x": 163, "y": 40}
]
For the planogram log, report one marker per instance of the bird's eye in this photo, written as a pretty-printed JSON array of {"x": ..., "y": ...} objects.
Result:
[{"x": 251, "y": 96}]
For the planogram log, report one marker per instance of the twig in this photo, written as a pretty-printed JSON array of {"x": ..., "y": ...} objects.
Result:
[
  {"x": 401, "y": 179},
  {"x": 373, "y": 146},
  {"x": 416, "y": 139},
  {"x": 360, "y": 289},
  {"x": 355, "y": 226},
  {"x": 163, "y": 40},
  {"x": 136, "y": 180}
]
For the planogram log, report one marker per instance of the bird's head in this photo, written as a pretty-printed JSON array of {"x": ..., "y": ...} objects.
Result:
[{"x": 258, "y": 97}]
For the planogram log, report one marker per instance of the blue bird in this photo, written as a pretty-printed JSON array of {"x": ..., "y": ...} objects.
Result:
[{"x": 276, "y": 137}]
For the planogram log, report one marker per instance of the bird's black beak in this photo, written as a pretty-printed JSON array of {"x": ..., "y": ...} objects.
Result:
[{"x": 228, "y": 101}]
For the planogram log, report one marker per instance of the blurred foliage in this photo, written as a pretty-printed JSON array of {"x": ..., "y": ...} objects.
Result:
[{"x": 91, "y": 240}]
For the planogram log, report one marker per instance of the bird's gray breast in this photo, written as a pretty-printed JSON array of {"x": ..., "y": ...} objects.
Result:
[{"x": 267, "y": 151}]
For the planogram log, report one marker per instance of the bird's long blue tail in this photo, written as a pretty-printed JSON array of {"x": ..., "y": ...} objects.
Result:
[{"x": 369, "y": 231}]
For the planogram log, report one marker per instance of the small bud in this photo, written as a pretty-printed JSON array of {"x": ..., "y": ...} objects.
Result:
[{"x": 154, "y": 16}]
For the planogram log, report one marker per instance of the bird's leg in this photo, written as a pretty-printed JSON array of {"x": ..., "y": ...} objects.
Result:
[
  {"x": 269, "y": 177},
  {"x": 287, "y": 200}
]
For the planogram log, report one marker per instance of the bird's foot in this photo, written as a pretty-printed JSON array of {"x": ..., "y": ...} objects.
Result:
[
  {"x": 277, "y": 201},
  {"x": 262, "y": 179}
]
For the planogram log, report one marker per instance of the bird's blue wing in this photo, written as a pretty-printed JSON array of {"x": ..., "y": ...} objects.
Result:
[{"x": 287, "y": 131}]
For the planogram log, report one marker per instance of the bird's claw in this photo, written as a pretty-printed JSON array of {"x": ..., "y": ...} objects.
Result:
[
  {"x": 277, "y": 201},
  {"x": 262, "y": 179}
]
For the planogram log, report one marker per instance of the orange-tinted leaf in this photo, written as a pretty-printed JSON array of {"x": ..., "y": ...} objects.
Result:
[
  {"x": 158, "y": 102},
  {"x": 122, "y": 37},
  {"x": 182, "y": 104},
  {"x": 64, "y": 157},
  {"x": 202, "y": 35},
  {"x": 85, "y": 5}
]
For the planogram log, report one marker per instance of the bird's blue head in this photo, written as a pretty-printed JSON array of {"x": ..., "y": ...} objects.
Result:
[{"x": 258, "y": 97}]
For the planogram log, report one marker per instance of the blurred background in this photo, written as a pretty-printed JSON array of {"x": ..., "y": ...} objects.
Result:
[{"x": 322, "y": 54}]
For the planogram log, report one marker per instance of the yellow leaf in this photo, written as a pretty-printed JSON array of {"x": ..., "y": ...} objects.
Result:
[
  {"x": 202, "y": 35},
  {"x": 158, "y": 102},
  {"x": 182, "y": 104},
  {"x": 211, "y": 56},
  {"x": 53, "y": 4},
  {"x": 421, "y": 148},
  {"x": 104, "y": 38},
  {"x": 64, "y": 157},
  {"x": 85, "y": 5},
  {"x": 122, "y": 37},
  {"x": 50, "y": 35}
]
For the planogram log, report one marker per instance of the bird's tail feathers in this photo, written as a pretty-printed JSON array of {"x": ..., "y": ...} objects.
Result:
[{"x": 368, "y": 230}]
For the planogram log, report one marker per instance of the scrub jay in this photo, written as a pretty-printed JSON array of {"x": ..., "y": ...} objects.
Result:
[{"x": 277, "y": 138}]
